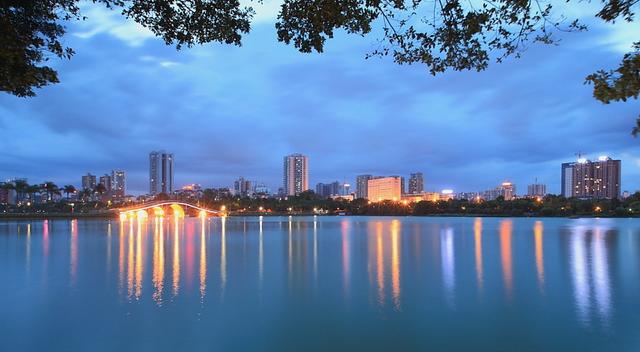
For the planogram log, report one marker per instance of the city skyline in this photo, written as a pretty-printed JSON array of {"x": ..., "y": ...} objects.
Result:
[{"x": 222, "y": 121}]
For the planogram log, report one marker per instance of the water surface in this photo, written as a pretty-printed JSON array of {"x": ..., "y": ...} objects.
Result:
[{"x": 320, "y": 284}]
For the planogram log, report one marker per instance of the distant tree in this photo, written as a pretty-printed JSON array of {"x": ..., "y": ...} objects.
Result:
[
  {"x": 100, "y": 190},
  {"x": 442, "y": 35},
  {"x": 68, "y": 189},
  {"x": 21, "y": 188},
  {"x": 49, "y": 188},
  {"x": 85, "y": 194},
  {"x": 161, "y": 196},
  {"x": 32, "y": 190}
]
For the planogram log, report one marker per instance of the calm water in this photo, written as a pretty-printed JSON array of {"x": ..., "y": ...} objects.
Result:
[{"x": 327, "y": 283}]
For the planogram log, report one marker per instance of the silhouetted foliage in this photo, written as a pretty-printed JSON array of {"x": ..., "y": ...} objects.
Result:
[{"x": 442, "y": 35}]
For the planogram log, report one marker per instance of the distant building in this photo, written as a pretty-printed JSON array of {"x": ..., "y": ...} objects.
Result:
[
  {"x": 416, "y": 183},
  {"x": 403, "y": 189},
  {"x": 106, "y": 182},
  {"x": 362, "y": 185},
  {"x": 566, "y": 181},
  {"x": 7, "y": 196},
  {"x": 118, "y": 184},
  {"x": 536, "y": 190},
  {"x": 89, "y": 181},
  {"x": 242, "y": 187},
  {"x": 384, "y": 188},
  {"x": 596, "y": 179},
  {"x": 261, "y": 190},
  {"x": 160, "y": 172},
  {"x": 330, "y": 189},
  {"x": 506, "y": 190},
  {"x": 296, "y": 174}
]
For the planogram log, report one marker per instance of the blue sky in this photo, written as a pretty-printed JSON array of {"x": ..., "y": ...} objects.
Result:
[{"x": 229, "y": 111}]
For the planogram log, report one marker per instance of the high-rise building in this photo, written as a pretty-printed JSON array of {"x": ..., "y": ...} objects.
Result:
[
  {"x": 536, "y": 190},
  {"x": 329, "y": 189},
  {"x": 296, "y": 174},
  {"x": 89, "y": 181},
  {"x": 160, "y": 172},
  {"x": 384, "y": 188},
  {"x": 566, "y": 182},
  {"x": 362, "y": 185},
  {"x": 416, "y": 183},
  {"x": 596, "y": 179},
  {"x": 508, "y": 190},
  {"x": 242, "y": 187},
  {"x": 106, "y": 182},
  {"x": 118, "y": 183}
]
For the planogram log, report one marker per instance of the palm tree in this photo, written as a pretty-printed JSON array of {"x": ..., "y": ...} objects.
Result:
[
  {"x": 31, "y": 190},
  {"x": 68, "y": 189},
  {"x": 50, "y": 189},
  {"x": 21, "y": 188},
  {"x": 85, "y": 193}
]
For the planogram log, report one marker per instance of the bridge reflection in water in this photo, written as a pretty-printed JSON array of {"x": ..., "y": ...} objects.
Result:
[{"x": 161, "y": 208}]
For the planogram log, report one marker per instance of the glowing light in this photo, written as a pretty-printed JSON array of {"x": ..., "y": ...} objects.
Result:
[
  {"x": 603, "y": 158},
  {"x": 260, "y": 209},
  {"x": 123, "y": 216},
  {"x": 178, "y": 212},
  {"x": 142, "y": 214},
  {"x": 202, "y": 214},
  {"x": 223, "y": 208},
  {"x": 447, "y": 191},
  {"x": 131, "y": 214},
  {"x": 158, "y": 212},
  {"x": 582, "y": 160},
  {"x": 598, "y": 209}
]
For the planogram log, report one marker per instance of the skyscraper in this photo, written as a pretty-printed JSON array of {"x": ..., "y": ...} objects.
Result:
[
  {"x": 596, "y": 179},
  {"x": 362, "y": 182},
  {"x": 118, "y": 183},
  {"x": 416, "y": 183},
  {"x": 566, "y": 182},
  {"x": 296, "y": 174},
  {"x": 106, "y": 182},
  {"x": 160, "y": 172},
  {"x": 242, "y": 187},
  {"x": 536, "y": 190},
  {"x": 507, "y": 190},
  {"x": 89, "y": 181}
]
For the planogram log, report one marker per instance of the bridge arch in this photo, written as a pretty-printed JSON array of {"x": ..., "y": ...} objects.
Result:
[{"x": 178, "y": 208}]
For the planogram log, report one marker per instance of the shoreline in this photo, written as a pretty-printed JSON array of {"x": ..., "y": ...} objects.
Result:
[{"x": 114, "y": 216}]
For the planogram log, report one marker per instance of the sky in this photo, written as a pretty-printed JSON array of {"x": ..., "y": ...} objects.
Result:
[{"x": 227, "y": 111}]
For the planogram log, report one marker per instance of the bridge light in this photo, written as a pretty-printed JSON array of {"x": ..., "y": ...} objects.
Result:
[
  {"x": 158, "y": 212},
  {"x": 203, "y": 214},
  {"x": 142, "y": 214},
  {"x": 178, "y": 212},
  {"x": 131, "y": 214},
  {"x": 223, "y": 208},
  {"x": 123, "y": 216}
]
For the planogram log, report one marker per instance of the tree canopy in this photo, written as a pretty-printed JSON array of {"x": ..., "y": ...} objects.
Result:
[{"x": 439, "y": 34}]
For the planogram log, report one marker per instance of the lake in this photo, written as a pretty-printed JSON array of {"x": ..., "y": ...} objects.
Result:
[{"x": 320, "y": 284}]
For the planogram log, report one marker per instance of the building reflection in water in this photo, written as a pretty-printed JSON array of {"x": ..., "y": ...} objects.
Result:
[
  {"x": 477, "y": 236},
  {"x": 590, "y": 273},
  {"x": 130, "y": 262},
  {"x": 346, "y": 262},
  {"x": 315, "y": 249},
  {"x": 176, "y": 256},
  {"x": 223, "y": 254},
  {"x": 139, "y": 267},
  {"x": 506, "y": 228},
  {"x": 260, "y": 253},
  {"x": 74, "y": 250},
  {"x": 376, "y": 261},
  {"x": 203, "y": 260},
  {"x": 395, "y": 263},
  {"x": 158, "y": 260},
  {"x": 538, "y": 229},
  {"x": 45, "y": 238},
  {"x": 448, "y": 264}
]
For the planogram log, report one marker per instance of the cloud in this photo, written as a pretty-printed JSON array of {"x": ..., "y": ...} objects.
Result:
[
  {"x": 101, "y": 20},
  {"x": 227, "y": 111}
]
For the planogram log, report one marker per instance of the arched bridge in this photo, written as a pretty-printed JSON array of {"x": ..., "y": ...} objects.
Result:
[{"x": 166, "y": 207}]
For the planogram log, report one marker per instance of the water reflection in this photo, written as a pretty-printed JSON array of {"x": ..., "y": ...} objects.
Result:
[
  {"x": 477, "y": 236},
  {"x": 506, "y": 228},
  {"x": 448, "y": 264},
  {"x": 537, "y": 234},
  {"x": 143, "y": 252},
  {"x": 158, "y": 260},
  {"x": 590, "y": 273}
]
